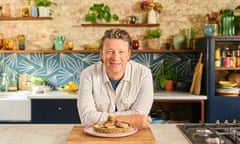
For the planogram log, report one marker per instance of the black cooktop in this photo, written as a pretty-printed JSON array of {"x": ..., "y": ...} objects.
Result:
[{"x": 212, "y": 133}]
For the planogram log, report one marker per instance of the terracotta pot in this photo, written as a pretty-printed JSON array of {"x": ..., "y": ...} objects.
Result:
[
  {"x": 153, "y": 43},
  {"x": 169, "y": 85}
]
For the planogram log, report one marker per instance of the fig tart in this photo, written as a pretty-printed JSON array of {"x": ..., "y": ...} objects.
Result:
[{"x": 112, "y": 126}]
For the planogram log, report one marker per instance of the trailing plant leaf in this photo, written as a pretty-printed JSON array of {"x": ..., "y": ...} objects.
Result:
[{"x": 100, "y": 12}]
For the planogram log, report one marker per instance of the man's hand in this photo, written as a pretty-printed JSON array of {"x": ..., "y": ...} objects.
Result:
[{"x": 139, "y": 120}]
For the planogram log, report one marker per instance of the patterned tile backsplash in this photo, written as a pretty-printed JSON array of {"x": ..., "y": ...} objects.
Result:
[{"x": 60, "y": 68}]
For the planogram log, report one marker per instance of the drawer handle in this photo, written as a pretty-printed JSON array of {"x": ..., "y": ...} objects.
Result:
[{"x": 59, "y": 108}]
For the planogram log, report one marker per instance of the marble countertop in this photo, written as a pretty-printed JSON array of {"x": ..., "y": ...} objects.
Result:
[
  {"x": 160, "y": 95},
  {"x": 58, "y": 133}
]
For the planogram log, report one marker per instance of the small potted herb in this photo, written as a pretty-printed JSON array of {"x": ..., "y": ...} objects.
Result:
[
  {"x": 37, "y": 84},
  {"x": 153, "y": 38},
  {"x": 166, "y": 75},
  {"x": 43, "y": 7},
  {"x": 100, "y": 12}
]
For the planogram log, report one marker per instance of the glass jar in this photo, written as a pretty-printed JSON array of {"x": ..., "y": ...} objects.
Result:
[
  {"x": 21, "y": 42},
  {"x": 25, "y": 12},
  {"x": 135, "y": 44},
  {"x": 4, "y": 83}
]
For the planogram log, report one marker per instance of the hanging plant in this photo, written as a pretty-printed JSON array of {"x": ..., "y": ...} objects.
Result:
[{"x": 100, "y": 12}]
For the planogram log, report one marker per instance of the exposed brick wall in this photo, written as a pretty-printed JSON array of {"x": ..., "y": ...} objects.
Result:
[{"x": 69, "y": 15}]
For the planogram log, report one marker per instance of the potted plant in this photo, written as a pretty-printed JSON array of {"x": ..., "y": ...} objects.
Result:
[
  {"x": 37, "y": 84},
  {"x": 43, "y": 7},
  {"x": 153, "y": 38},
  {"x": 237, "y": 19},
  {"x": 100, "y": 12},
  {"x": 166, "y": 75}
]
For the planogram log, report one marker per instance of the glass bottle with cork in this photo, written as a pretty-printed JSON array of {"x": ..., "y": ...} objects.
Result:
[
  {"x": 227, "y": 58},
  {"x": 237, "y": 55}
]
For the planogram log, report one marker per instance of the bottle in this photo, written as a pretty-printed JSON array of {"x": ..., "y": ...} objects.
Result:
[
  {"x": 223, "y": 55},
  {"x": 237, "y": 54},
  {"x": 227, "y": 58},
  {"x": 233, "y": 59},
  {"x": 4, "y": 82},
  {"x": 12, "y": 86},
  {"x": 217, "y": 57}
]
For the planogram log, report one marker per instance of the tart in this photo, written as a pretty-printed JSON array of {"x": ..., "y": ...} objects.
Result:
[{"x": 111, "y": 126}]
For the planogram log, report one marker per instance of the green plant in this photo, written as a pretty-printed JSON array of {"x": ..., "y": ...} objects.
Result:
[
  {"x": 35, "y": 80},
  {"x": 153, "y": 33},
  {"x": 100, "y": 12},
  {"x": 237, "y": 18},
  {"x": 43, "y": 3},
  {"x": 165, "y": 73}
]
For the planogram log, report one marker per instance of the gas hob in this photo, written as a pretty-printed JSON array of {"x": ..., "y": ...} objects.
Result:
[{"x": 212, "y": 133}]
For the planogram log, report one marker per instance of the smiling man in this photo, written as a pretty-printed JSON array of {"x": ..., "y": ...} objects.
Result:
[{"x": 116, "y": 85}]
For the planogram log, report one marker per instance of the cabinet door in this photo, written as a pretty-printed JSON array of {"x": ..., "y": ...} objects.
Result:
[
  {"x": 223, "y": 103},
  {"x": 55, "y": 111}
]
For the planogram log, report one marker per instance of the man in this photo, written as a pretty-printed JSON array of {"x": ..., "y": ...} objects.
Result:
[{"x": 116, "y": 85}]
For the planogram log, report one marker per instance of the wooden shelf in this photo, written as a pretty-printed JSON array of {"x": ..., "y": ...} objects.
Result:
[
  {"x": 227, "y": 68},
  {"x": 165, "y": 51},
  {"x": 119, "y": 25},
  {"x": 24, "y": 18},
  {"x": 96, "y": 51}
]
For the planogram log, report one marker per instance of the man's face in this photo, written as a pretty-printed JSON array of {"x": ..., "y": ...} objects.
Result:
[{"x": 115, "y": 55}]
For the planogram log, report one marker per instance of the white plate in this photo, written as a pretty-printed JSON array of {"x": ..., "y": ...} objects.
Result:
[{"x": 90, "y": 130}]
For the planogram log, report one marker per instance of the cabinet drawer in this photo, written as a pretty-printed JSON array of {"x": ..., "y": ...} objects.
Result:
[{"x": 54, "y": 111}]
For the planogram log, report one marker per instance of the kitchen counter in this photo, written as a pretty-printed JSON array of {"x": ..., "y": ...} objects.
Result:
[
  {"x": 57, "y": 134},
  {"x": 160, "y": 95}
]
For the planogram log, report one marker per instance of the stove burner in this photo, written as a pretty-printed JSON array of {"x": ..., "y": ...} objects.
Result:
[{"x": 212, "y": 133}]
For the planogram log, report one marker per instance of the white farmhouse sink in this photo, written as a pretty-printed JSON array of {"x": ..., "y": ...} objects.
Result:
[{"x": 14, "y": 107}]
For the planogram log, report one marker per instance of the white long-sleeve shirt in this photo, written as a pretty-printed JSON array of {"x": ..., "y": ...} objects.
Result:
[{"x": 97, "y": 98}]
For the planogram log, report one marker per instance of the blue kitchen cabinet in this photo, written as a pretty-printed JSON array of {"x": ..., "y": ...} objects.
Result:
[
  {"x": 218, "y": 106},
  {"x": 54, "y": 111}
]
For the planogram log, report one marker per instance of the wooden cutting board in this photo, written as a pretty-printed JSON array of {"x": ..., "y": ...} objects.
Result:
[{"x": 78, "y": 136}]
